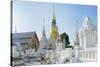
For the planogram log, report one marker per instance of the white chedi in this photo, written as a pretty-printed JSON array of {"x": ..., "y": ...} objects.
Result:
[{"x": 43, "y": 44}]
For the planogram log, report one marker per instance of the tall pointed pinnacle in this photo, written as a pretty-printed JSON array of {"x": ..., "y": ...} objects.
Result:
[
  {"x": 15, "y": 29},
  {"x": 76, "y": 26},
  {"x": 77, "y": 38},
  {"x": 43, "y": 28},
  {"x": 53, "y": 10}
]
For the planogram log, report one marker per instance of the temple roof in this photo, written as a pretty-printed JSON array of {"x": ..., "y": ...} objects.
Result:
[
  {"x": 44, "y": 40},
  {"x": 87, "y": 21},
  {"x": 22, "y": 35},
  {"x": 87, "y": 24},
  {"x": 25, "y": 38}
]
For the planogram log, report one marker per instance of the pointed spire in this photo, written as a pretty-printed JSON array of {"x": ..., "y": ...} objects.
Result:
[
  {"x": 15, "y": 29},
  {"x": 76, "y": 30},
  {"x": 87, "y": 21},
  {"x": 76, "y": 26},
  {"x": 54, "y": 19},
  {"x": 43, "y": 28},
  {"x": 53, "y": 12},
  {"x": 77, "y": 38}
]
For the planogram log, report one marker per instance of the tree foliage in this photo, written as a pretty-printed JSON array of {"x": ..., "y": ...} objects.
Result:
[{"x": 65, "y": 37}]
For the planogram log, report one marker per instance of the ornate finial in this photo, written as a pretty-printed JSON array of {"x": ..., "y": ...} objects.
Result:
[
  {"x": 43, "y": 28},
  {"x": 76, "y": 26},
  {"x": 53, "y": 10},
  {"x": 77, "y": 38},
  {"x": 15, "y": 29}
]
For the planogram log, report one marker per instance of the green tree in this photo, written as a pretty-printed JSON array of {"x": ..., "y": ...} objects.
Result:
[{"x": 65, "y": 37}]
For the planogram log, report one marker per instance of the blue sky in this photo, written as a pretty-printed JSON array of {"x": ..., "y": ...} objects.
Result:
[{"x": 28, "y": 17}]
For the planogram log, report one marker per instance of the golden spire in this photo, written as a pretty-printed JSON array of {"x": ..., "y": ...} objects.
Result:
[
  {"x": 54, "y": 19},
  {"x": 53, "y": 12},
  {"x": 54, "y": 28},
  {"x": 77, "y": 38}
]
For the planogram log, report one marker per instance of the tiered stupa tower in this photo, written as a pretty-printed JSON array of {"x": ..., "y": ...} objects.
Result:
[
  {"x": 43, "y": 43},
  {"x": 53, "y": 30}
]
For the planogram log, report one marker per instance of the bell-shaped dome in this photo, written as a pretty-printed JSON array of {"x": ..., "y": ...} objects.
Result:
[
  {"x": 44, "y": 43},
  {"x": 44, "y": 40}
]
